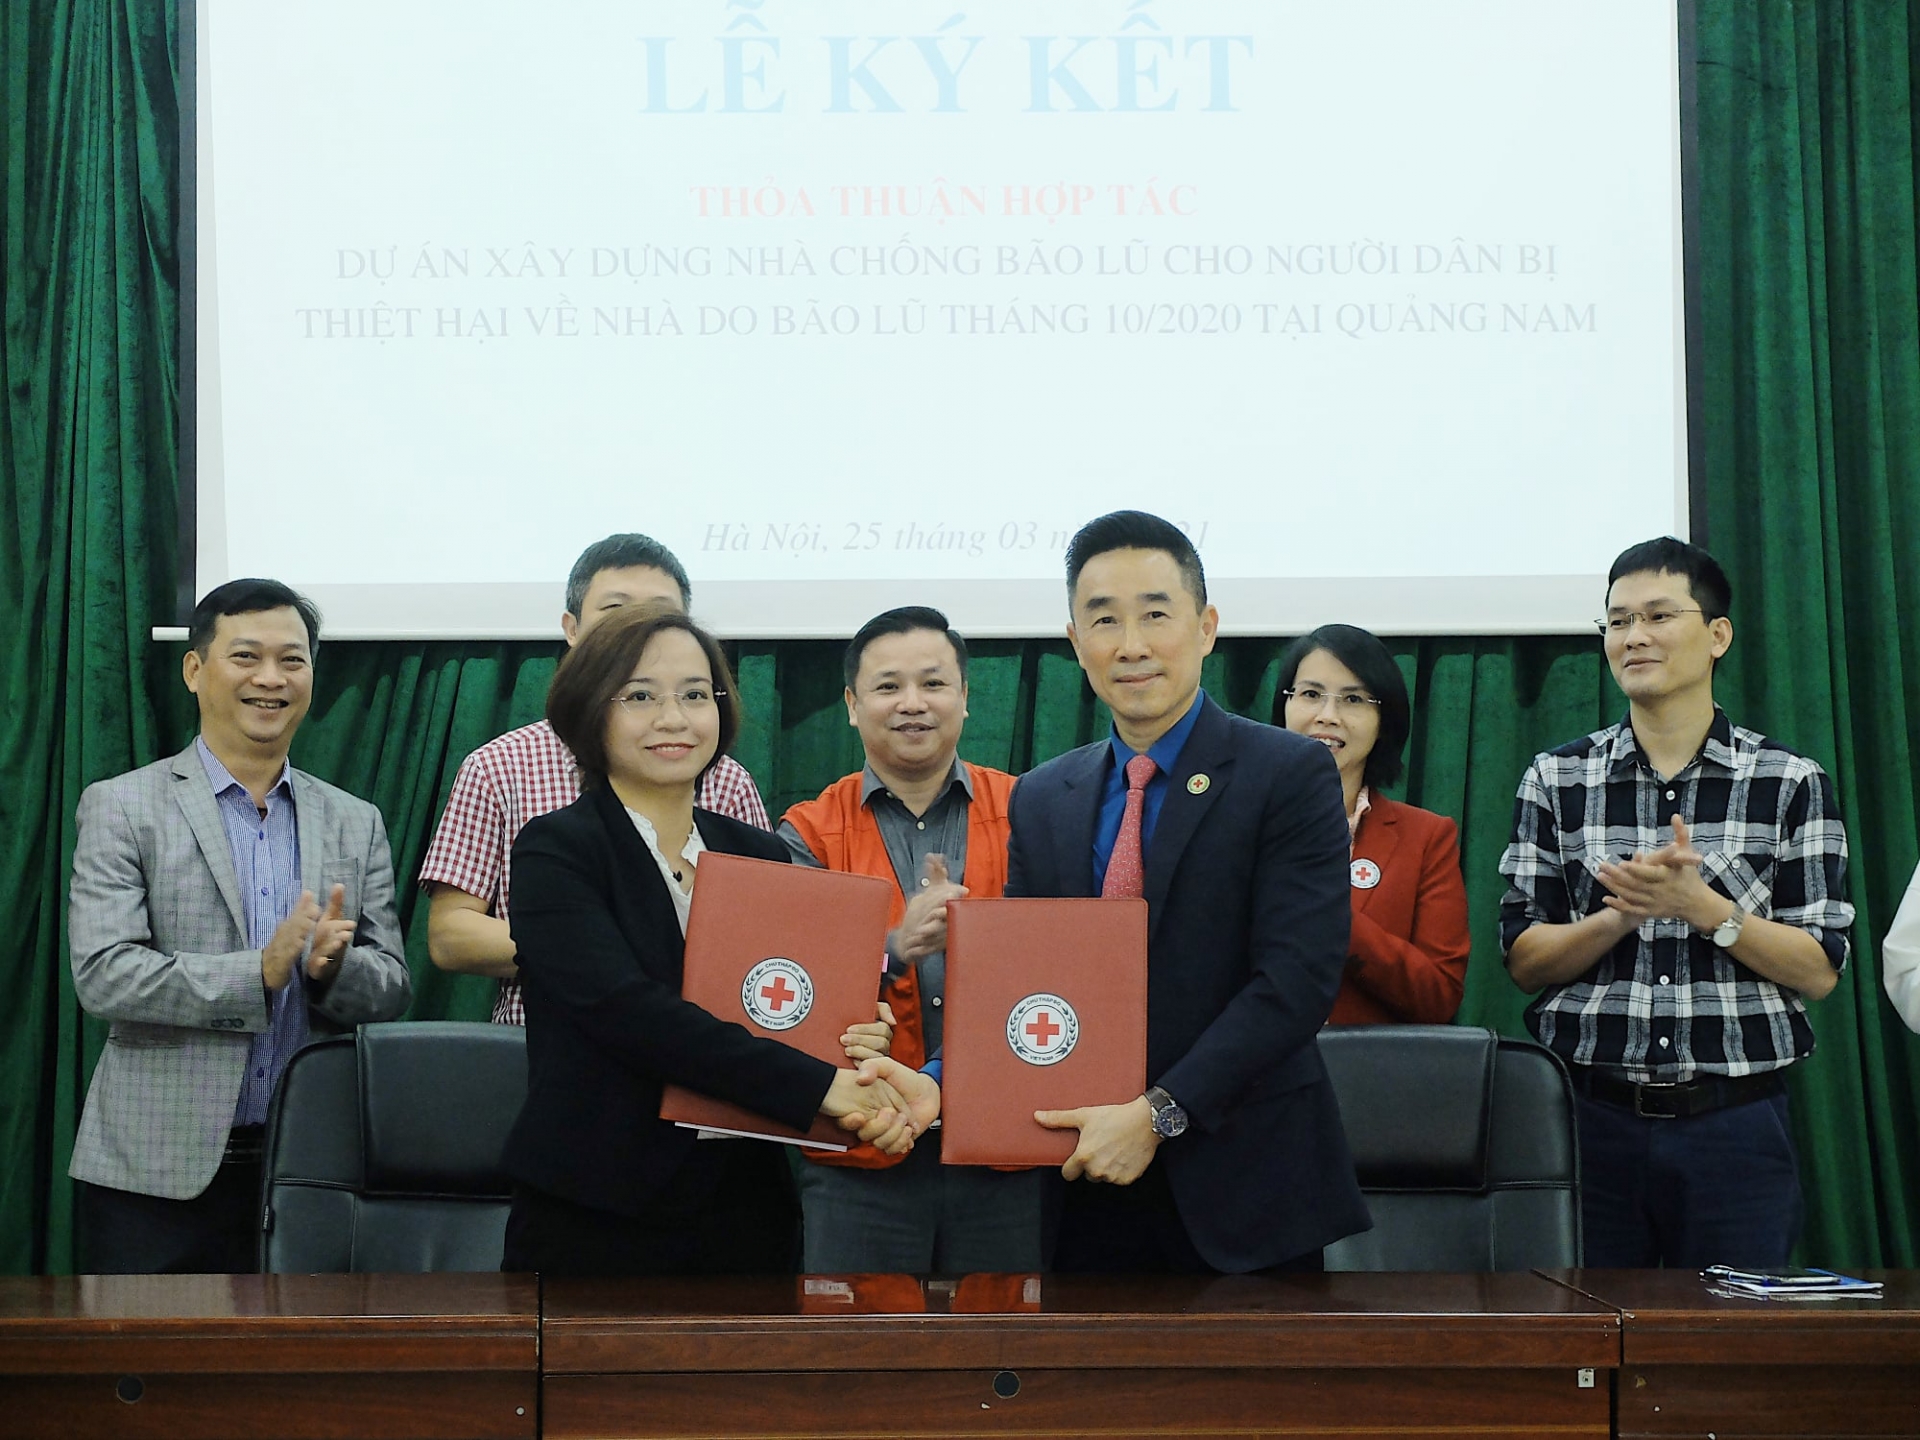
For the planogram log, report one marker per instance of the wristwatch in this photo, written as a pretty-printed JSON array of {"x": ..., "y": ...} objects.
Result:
[
  {"x": 1169, "y": 1119},
  {"x": 1727, "y": 932}
]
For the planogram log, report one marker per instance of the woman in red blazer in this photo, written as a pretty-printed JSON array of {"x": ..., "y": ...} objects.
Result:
[{"x": 1407, "y": 960}]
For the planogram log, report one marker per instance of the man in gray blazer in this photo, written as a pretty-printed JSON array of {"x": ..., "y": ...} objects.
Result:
[{"x": 222, "y": 904}]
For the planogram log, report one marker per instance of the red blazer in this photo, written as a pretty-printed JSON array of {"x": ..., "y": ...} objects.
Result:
[{"x": 1407, "y": 959}]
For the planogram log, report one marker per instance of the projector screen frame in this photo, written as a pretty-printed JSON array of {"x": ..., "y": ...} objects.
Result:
[{"x": 187, "y": 421}]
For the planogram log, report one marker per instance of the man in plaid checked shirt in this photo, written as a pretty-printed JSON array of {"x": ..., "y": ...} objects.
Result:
[
  {"x": 1676, "y": 898},
  {"x": 528, "y": 772}
]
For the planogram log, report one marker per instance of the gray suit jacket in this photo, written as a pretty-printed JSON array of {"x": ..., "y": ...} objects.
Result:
[{"x": 159, "y": 948}]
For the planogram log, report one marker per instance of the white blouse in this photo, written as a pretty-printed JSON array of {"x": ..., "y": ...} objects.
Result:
[{"x": 690, "y": 854}]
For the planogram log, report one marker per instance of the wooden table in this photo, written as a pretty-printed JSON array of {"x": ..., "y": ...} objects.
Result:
[
  {"x": 1696, "y": 1364},
  {"x": 253, "y": 1356},
  {"x": 1350, "y": 1355},
  {"x": 1346, "y": 1355}
]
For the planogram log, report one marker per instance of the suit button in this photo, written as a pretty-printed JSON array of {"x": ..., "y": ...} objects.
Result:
[{"x": 936, "y": 1002}]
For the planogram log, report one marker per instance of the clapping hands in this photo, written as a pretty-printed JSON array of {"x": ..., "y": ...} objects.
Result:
[
  {"x": 1664, "y": 884},
  {"x": 323, "y": 935},
  {"x": 923, "y": 929}
]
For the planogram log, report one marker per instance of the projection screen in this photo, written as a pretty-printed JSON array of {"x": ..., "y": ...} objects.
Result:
[{"x": 864, "y": 304}]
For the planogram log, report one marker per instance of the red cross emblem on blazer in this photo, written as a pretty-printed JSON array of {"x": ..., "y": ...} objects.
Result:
[{"x": 1364, "y": 873}]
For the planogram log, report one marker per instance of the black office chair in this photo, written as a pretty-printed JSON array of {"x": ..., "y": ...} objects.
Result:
[
  {"x": 1465, "y": 1148},
  {"x": 383, "y": 1150}
]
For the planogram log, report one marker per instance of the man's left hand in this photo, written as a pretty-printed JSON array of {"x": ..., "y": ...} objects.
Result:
[
  {"x": 1117, "y": 1142},
  {"x": 331, "y": 936}
]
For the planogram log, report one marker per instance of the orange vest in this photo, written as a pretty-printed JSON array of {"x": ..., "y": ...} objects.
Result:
[{"x": 844, "y": 836}]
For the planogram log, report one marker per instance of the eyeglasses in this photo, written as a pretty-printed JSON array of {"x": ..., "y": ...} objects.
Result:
[
  {"x": 694, "y": 700},
  {"x": 1313, "y": 697},
  {"x": 1651, "y": 619}
]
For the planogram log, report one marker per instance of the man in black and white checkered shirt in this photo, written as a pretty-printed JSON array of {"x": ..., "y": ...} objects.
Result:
[{"x": 1677, "y": 895}]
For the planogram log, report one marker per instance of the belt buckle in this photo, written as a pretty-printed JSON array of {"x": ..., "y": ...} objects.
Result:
[{"x": 1639, "y": 1102}]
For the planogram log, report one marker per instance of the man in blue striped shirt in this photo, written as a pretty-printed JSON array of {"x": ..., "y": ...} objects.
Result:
[{"x": 221, "y": 900}]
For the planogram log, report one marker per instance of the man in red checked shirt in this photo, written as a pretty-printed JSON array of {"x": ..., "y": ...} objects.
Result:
[{"x": 528, "y": 772}]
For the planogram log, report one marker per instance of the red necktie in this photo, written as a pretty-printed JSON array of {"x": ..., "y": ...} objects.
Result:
[{"x": 1126, "y": 873}]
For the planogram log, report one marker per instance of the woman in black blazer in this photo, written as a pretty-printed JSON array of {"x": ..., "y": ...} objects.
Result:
[{"x": 600, "y": 896}]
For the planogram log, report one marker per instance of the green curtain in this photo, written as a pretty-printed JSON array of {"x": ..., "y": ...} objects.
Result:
[
  {"x": 89, "y": 285},
  {"x": 1806, "y": 298},
  {"x": 1808, "y": 390}
]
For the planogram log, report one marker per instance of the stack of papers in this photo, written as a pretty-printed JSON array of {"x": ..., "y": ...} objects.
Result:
[{"x": 1789, "y": 1284}]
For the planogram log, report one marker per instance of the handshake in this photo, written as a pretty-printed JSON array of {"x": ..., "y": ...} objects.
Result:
[{"x": 882, "y": 1103}]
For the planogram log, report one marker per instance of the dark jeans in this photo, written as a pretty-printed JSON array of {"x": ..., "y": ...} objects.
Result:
[
  {"x": 729, "y": 1210},
  {"x": 1133, "y": 1230},
  {"x": 921, "y": 1217},
  {"x": 1716, "y": 1189},
  {"x": 217, "y": 1232}
]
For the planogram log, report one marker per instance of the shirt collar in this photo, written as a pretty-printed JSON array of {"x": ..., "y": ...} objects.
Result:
[
  {"x": 695, "y": 847},
  {"x": 1164, "y": 752},
  {"x": 871, "y": 784},
  {"x": 1624, "y": 755},
  {"x": 1364, "y": 804},
  {"x": 222, "y": 779}
]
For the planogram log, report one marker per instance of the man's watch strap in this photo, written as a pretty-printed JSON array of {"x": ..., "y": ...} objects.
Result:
[
  {"x": 1169, "y": 1119},
  {"x": 1727, "y": 933}
]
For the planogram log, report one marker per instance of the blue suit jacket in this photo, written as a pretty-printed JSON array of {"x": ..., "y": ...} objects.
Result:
[{"x": 1248, "y": 913}]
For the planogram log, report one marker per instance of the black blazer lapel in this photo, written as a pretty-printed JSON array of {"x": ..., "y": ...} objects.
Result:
[
  {"x": 1082, "y": 774},
  {"x": 1209, "y": 753},
  {"x": 644, "y": 907}
]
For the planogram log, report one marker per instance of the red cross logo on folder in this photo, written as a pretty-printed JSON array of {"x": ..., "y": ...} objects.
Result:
[
  {"x": 1042, "y": 1029},
  {"x": 777, "y": 993}
]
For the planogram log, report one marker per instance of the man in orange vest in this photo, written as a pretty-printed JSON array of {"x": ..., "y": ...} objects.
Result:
[{"x": 917, "y": 815}]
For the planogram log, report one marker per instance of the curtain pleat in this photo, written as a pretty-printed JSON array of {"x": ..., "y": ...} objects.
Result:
[{"x": 89, "y": 290}]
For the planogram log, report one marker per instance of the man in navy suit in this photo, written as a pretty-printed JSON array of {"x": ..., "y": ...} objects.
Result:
[{"x": 1242, "y": 858}]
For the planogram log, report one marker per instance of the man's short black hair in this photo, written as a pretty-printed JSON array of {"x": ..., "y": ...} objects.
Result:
[
  {"x": 1705, "y": 579},
  {"x": 1362, "y": 652},
  {"x": 903, "y": 620},
  {"x": 623, "y": 552},
  {"x": 249, "y": 597},
  {"x": 1136, "y": 530}
]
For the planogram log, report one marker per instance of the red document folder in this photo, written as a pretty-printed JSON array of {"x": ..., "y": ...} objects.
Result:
[
  {"x": 790, "y": 952},
  {"x": 1046, "y": 1009}
]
